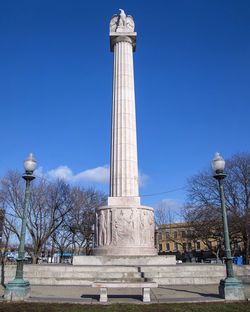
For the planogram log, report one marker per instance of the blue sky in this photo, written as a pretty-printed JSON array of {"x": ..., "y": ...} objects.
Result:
[{"x": 192, "y": 76}]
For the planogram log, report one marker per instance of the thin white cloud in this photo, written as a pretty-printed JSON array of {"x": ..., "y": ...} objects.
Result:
[
  {"x": 97, "y": 175},
  {"x": 61, "y": 172}
]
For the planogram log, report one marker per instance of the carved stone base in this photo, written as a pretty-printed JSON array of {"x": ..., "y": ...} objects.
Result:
[{"x": 125, "y": 229}]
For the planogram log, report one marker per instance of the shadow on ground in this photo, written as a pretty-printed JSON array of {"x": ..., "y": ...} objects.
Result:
[
  {"x": 110, "y": 296},
  {"x": 192, "y": 292}
]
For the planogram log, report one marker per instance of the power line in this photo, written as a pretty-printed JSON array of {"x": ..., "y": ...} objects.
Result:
[{"x": 169, "y": 191}]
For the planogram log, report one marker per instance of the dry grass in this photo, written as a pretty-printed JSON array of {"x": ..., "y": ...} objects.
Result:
[{"x": 180, "y": 307}]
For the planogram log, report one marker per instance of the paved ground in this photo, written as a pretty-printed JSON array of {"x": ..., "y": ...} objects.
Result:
[{"x": 163, "y": 294}]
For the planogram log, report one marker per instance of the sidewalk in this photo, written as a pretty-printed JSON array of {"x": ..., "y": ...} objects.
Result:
[{"x": 162, "y": 294}]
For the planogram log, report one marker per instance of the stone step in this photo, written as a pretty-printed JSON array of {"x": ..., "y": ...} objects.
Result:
[
  {"x": 58, "y": 281},
  {"x": 77, "y": 281},
  {"x": 87, "y": 268},
  {"x": 100, "y": 268},
  {"x": 89, "y": 281},
  {"x": 124, "y": 260},
  {"x": 180, "y": 268},
  {"x": 164, "y": 275},
  {"x": 82, "y": 274},
  {"x": 187, "y": 280},
  {"x": 180, "y": 274},
  {"x": 121, "y": 268}
]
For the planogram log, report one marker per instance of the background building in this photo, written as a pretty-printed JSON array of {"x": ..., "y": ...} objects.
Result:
[{"x": 181, "y": 239}]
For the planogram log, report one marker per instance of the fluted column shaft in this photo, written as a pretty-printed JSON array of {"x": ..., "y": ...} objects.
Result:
[{"x": 124, "y": 164}]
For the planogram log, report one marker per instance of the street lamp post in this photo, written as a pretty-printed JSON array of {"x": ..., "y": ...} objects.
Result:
[
  {"x": 230, "y": 288},
  {"x": 18, "y": 289}
]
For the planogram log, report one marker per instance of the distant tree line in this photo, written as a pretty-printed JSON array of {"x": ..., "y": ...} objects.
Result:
[{"x": 60, "y": 215}]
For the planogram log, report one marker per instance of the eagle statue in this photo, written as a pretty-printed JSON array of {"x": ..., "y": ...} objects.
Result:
[{"x": 122, "y": 23}]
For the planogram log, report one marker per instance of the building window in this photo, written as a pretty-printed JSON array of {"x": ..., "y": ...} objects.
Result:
[
  {"x": 175, "y": 246},
  {"x": 189, "y": 233},
  {"x": 160, "y": 247},
  {"x": 167, "y": 234},
  {"x": 175, "y": 234},
  {"x": 184, "y": 246},
  {"x": 167, "y": 247},
  {"x": 198, "y": 245},
  {"x": 189, "y": 246},
  {"x": 160, "y": 236},
  {"x": 183, "y": 234}
]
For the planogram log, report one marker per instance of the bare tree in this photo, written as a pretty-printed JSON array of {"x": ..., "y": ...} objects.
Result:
[
  {"x": 62, "y": 239},
  {"x": 49, "y": 203},
  {"x": 5, "y": 238},
  {"x": 12, "y": 199},
  {"x": 82, "y": 216},
  {"x": 166, "y": 212},
  {"x": 203, "y": 208},
  {"x": 58, "y": 212}
]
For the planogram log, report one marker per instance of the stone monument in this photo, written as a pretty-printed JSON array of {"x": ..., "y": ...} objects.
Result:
[{"x": 124, "y": 226}]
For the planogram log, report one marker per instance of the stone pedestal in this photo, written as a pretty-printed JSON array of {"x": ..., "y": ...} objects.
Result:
[
  {"x": 124, "y": 226},
  {"x": 17, "y": 290},
  {"x": 231, "y": 288}
]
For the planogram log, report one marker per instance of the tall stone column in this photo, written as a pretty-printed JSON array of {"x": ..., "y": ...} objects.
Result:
[
  {"x": 124, "y": 227},
  {"x": 124, "y": 167}
]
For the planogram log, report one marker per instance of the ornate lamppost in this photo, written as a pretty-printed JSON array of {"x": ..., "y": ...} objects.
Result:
[
  {"x": 230, "y": 288},
  {"x": 18, "y": 289}
]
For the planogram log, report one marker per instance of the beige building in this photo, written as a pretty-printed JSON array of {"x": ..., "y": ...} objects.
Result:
[{"x": 177, "y": 237}]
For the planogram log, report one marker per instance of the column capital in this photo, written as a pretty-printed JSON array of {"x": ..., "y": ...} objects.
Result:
[{"x": 122, "y": 37}]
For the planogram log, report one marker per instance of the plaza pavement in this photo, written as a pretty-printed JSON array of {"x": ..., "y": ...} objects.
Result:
[{"x": 162, "y": 294}]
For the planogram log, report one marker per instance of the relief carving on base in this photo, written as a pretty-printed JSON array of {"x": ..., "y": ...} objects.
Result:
[
  {"x": 146, "y": 227},
  {"x": 103, "y": 226},
  {"x": 124, "y": 229}
]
